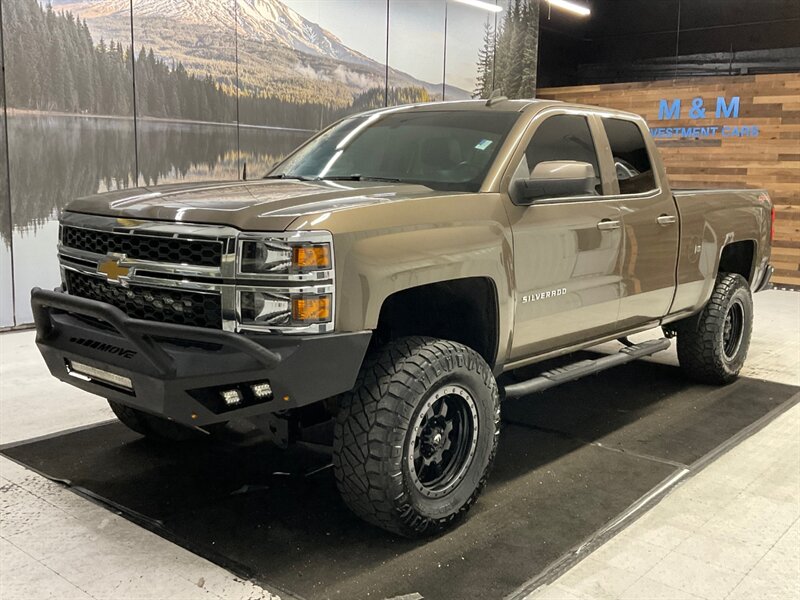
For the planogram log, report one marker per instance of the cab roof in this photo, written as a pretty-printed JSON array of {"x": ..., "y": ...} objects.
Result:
[
  {"x": 458, "y": 105},
  {"x": 498, "y": 105}
]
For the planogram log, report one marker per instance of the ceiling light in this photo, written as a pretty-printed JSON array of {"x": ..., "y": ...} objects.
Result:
[
  {"x": 571, "y": 7},
  {"x": 481, "y": 4}
]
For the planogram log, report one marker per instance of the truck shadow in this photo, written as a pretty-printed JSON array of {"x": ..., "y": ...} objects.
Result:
[{"x": 570, "y": 460}]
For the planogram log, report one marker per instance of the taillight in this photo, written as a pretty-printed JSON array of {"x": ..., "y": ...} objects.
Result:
[
  {"x": 764, "y": 198},
  {"x": 772, "y": 226}
]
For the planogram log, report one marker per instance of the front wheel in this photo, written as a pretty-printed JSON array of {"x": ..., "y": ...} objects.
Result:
[
  {"x": 713, "y": 345},
  {"x": 415, "y": 439}
]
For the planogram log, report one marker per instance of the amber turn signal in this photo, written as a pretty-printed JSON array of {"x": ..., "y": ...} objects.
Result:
[
  {"x": 312, "y": 257},
  {"x": 311, "y": 309}
]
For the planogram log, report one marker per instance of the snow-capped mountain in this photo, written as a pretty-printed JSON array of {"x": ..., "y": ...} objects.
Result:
[
  {"x": 258, "y": 20},
  {"x": 275, "y": 42}
]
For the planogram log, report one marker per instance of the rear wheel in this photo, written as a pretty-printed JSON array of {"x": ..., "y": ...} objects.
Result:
[
  {"x": 713, "y": 345},
  {"x": 415, "y": 439},
  {"x": 152, "y": 426}
]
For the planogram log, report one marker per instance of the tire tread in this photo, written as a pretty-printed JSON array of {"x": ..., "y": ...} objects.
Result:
[
  {"x": 372, "y": 421},
  {"x": 699, "y": 352}
]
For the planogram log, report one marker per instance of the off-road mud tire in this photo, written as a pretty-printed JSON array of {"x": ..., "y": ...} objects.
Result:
[
  {"x": 375, "y": 431},
  {"x": 706, "y": 349}
]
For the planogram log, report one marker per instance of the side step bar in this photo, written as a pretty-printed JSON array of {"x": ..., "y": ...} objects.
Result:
[{"x": 583, "y": 368}]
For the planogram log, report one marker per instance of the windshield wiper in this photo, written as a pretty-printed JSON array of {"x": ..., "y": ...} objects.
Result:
[
  {"x": 285, "y": 176},
  {"x": 360, "y": 178},
  {"x": 354, "y": 177}
]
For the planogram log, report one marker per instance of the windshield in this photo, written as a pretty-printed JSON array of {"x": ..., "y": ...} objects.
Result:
[{"x": 444, "y": 150}]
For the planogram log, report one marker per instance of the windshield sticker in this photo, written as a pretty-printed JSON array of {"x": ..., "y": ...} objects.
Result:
[{"x": 483, "y": 144}]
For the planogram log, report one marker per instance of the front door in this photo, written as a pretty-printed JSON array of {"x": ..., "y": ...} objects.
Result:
[{"x": 567, "y": 251}]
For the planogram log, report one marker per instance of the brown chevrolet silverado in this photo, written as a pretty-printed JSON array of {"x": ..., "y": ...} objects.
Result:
[{"x": 385, "y": 276}]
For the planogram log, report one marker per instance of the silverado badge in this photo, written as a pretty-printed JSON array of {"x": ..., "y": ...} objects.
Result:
[
  {"x": 535, "y": 297},
  {"x": 112, "y": 269}
]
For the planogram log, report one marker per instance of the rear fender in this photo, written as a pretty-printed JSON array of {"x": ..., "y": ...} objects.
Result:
[{"x": 710, "y": 222}]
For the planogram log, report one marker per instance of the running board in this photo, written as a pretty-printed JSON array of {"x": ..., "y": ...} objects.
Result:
[{"x": 583, "y": 368}]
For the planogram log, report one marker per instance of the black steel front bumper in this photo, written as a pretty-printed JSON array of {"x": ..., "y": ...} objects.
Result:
[{"x": 179, "y": 372}]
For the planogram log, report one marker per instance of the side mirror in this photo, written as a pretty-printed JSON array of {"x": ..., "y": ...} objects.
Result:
[{"x": 555, "y": 179}]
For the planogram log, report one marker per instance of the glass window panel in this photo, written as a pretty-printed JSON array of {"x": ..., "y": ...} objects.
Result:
[
  {"x": 70, "y": 128},
  {"x": 563, "y": 137},
  {"x": 445, "y": 150},
  {"x": 632, "y": 164},
  {"x": 6, "y": 284},
  {"x": 185, "y": 90},
  {"x": 416, "y": 51},
  {"x": 465, "y": 30}
]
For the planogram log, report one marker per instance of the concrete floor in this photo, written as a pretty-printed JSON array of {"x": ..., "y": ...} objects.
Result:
[{"x": 730, "y": 531}]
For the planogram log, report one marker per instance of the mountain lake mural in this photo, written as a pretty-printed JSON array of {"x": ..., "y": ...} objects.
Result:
[{"x": 98, "y": 98}]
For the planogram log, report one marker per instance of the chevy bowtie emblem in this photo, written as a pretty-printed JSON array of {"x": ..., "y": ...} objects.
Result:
[{"x": 112, "y": 269}]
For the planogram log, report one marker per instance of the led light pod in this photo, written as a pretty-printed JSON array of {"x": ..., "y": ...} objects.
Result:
[{"x": 231, "y": 397}]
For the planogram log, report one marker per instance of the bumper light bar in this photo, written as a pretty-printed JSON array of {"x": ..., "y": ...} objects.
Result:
[{"x": 90, "y": 373}]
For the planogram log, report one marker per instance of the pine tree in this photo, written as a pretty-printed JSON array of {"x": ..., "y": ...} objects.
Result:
[
  {"x": 516, "y": 63},
  {"x": 530, "y": 50},
  {"x": 502, "y": 62},
  {"x": 53, "y": 64},
  {"x": 513, "y": 62},
  {"x": 486, "y": 54}
]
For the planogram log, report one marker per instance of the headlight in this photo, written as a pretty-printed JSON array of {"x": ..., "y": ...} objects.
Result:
[
  {"x": 267, "y": 308},
  {"x": 285, "y": 282},
  {"x": 286, "y": 256}
]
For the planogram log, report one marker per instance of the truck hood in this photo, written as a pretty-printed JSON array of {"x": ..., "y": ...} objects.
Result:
[{"x": 262, "y": 205}]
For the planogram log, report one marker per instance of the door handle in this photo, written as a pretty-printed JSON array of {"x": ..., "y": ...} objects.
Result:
[
  {"x": 608, "y": 224},
  {"x": 665, "y": 220}
]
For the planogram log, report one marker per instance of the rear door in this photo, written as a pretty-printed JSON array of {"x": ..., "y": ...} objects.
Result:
[
  {"x": 650, "y": 220},
  {"x": 567, "y": 251}
]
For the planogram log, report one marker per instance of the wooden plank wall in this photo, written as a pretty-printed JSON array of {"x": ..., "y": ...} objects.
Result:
[{"x": 771, "y": 160}]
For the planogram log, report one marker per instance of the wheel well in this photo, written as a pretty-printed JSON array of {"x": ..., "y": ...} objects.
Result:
[
  {"x": 738, "y": 258},
  {"x": 461, "y": 310}
]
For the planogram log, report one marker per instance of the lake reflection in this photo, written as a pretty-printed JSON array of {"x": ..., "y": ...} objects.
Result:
[{"x": 55, "y": 158}]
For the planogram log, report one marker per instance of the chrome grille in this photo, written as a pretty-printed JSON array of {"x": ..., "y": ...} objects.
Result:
[
  {"x": 177, "y": 306},
  {"x": 207, "y": 253},
  {"x": 149, "y": 268}
]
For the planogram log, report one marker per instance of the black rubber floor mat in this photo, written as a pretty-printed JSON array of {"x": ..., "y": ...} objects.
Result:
[
  {"x": 649, "y": 408},
  {"x": 276, "y": 516}
]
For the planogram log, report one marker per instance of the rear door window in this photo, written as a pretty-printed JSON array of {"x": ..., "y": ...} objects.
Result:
[{"x": 632, "y": 163}]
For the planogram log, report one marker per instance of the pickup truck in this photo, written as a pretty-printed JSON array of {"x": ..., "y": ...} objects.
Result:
[{"x": 387, "y": 274}]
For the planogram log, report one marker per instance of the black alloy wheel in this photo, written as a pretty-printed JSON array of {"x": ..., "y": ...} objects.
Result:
[
  {"x": 733, "y": 330},
  {"x": 445, "y": 435}
]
